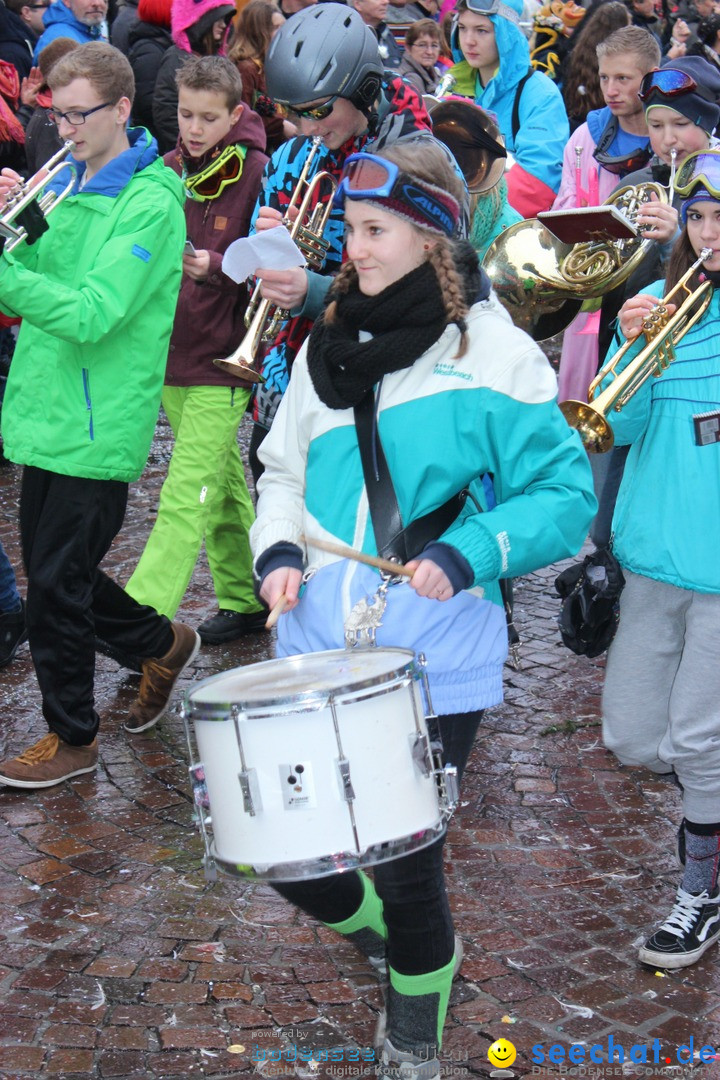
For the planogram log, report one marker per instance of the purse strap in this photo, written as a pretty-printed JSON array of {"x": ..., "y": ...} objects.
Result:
[{"x": 392, "y": 539}]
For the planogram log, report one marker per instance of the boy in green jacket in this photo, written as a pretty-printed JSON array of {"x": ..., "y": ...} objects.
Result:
[{"x": 97, "y": 295}]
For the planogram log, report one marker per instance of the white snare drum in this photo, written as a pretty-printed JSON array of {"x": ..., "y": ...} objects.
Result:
[{"x": 315, "y": 764}]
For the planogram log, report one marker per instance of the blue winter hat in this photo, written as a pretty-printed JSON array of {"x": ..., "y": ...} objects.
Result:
[{"x": 700, "y": 194}]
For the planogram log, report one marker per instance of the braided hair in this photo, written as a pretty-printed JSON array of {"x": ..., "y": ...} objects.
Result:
[{"x": 425, "y": 160}]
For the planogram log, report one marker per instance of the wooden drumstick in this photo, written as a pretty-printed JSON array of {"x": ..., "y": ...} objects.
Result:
[
  {"x": 358, "y": 556},
  {"x": 276, "y": 611}
]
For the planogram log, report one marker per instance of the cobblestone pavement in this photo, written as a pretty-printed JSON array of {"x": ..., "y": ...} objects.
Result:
[{"x": 118, "y": 961}]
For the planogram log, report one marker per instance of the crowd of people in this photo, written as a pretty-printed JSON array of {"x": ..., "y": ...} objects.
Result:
[{"x": 398, "y": 410}]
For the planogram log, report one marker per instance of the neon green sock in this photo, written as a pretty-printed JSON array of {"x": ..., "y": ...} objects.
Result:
[
  {"x": 366, "y": 928},
  {"x": 417, "y": 1007}
]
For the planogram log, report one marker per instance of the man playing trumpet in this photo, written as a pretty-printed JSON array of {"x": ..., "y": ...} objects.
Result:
[{"x": 97, "y": 295}]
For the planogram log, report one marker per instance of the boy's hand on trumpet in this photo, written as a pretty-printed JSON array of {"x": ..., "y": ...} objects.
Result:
[
  {"x": 634, "y": 312},
  {"x": 9, "y": 179}
]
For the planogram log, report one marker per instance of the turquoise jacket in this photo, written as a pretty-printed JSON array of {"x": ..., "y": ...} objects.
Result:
[
  {"x": 97, "y": 295},
  {"x": 543, "y": 130},
  {"x": 444, "y": 423},
  {"x": 667, "y": 518}
]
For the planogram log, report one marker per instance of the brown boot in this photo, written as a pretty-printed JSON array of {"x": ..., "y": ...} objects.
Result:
[
  {"x": 48, "y": 762},
  {"x": 159, "y": 678}
]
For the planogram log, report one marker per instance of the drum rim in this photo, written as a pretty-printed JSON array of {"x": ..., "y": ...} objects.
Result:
[
  {"x": 195, "y": 707},
  {"x": 339, "y": 862}
]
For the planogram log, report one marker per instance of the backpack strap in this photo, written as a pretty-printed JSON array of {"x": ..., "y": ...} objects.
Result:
[{"x": 515, "y": 123}]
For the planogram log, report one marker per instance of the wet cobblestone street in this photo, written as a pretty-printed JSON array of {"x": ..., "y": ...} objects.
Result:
[{"x": 117, "y": 960}]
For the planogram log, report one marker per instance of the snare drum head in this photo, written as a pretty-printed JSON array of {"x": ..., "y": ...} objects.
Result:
[{"x": 294, "y": 678}]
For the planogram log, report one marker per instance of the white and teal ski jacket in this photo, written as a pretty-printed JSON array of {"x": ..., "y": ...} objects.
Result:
[{"x": 444, "y": 423}]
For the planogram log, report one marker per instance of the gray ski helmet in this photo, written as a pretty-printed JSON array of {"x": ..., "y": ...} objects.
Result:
[{"x": 323, "y": 51}]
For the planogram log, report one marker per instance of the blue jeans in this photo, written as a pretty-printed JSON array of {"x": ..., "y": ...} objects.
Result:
[
  {"x": 9, "y": 596},
  {"x": 421, "y": 936}
]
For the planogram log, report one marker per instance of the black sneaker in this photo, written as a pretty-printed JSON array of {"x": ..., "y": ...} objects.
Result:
[
  {"x": 229, "y": 625},
  {"x": 12, "y": 634},
  {"x": 691, "y": 928}
]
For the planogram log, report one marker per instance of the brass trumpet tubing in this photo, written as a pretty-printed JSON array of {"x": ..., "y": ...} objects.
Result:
[
  {"x": 663, "y": 334},
  {"x": 263, "y": 318},
  {"x": 32, "y": 190}
]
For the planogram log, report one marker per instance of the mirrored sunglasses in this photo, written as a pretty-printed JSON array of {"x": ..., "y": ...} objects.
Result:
[{"x": 700, "y": 168}]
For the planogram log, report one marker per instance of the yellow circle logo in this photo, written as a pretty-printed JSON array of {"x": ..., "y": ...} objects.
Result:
[{"x": 502, "y": 1053}]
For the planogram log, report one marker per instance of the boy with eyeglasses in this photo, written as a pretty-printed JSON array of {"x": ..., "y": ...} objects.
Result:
[
  {"x": 97, "y": 294},
  {"x": 220, "y": 159}
]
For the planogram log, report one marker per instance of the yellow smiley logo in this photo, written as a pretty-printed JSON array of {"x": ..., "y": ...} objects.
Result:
[{"x": 502, "y": 1053}]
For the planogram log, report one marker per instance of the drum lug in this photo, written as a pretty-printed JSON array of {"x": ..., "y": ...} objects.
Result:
[
  {"x": 345, "y": 782},
  {"x": 421, "y": 754},
  {"x": 250, "y": 792},
  {"x": 447, "y": 781}
]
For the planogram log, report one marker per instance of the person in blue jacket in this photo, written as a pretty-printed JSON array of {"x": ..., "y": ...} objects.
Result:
[
  {"x": 81, "y": 20},
  {"x": 661, "y": 703},
  {"x": 413, "y": 335},
  {"x": 493, "y": 68}
]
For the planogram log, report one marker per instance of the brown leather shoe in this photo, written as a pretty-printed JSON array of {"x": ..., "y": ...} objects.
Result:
[
  {"x": 159, "y": 678},
  {"x": 48, "y": 762}
]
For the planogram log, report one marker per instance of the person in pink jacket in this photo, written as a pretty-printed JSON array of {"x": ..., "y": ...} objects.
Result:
[{"x": 611, "y": 143}]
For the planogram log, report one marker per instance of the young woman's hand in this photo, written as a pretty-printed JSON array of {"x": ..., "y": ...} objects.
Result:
[
  {"x": 197, "y": 266},
  {"x": 657, "y": 220},
  {"x": 283, "y": 580},
  {"x": 634, "y": 312},
  {"x": 429, "y": 580},
  {"x": 29, "y": 87}
]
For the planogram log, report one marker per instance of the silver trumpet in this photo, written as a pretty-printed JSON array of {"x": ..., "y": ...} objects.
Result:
[{"x": 21, "y": 197}]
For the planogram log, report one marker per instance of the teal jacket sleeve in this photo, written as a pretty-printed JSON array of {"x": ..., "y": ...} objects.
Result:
[{"x": 544, "y": 491}]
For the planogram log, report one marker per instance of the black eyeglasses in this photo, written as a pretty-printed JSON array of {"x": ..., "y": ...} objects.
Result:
[{"x": 76, "y": 117}]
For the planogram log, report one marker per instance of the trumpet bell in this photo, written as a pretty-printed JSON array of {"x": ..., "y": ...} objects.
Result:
[
  {"x": 590, "y": 424},
  {"x": 239, "y": 369}
]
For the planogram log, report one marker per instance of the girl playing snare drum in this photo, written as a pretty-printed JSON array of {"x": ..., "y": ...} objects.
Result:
[{"x": 455, "y": 393}]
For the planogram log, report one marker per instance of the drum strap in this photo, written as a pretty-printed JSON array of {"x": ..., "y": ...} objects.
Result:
[{"x": 392, "y": 539}]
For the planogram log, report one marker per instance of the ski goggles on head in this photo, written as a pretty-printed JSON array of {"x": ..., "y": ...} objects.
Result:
[
  {"x": 623, "y": 164},
  {"x": 702, "y": 168},
  {"x": 211, "y": 181},
  {"x": 668, "y": 81},
  {"x": 493, "y": 7},
  {"x": 374, "y": 179}
]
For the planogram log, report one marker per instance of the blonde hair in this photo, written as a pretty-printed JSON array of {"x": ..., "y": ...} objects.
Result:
[
  {"x": 106, "y": 69},
  {"x": 425, "y": 160}
]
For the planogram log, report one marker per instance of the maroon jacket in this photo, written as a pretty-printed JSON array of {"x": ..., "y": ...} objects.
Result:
[
  {"x": 256, "y": 95},
  {"x": 209, "y": 315}
]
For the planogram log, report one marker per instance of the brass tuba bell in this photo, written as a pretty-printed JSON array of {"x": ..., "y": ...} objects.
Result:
[{"x": 543, "y": 282}]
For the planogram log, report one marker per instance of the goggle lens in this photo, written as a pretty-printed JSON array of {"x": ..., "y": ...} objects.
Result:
[
  {"x": 368, "y": 176},
  {"x": 668, "y": 81},
  {"x": 318, "y": 112},
  {"x": 700, "y": 168}
]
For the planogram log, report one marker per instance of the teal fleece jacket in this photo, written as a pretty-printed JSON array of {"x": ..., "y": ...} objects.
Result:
[{"x": 97, "y": 295}]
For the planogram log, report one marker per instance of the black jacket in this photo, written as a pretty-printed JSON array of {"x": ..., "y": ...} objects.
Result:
[
  {"x": 17, "y": 41},
  {"x": 148, "y": 45}
]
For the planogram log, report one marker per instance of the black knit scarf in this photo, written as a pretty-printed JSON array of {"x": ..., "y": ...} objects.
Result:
[{"x": 405, "y": 319}]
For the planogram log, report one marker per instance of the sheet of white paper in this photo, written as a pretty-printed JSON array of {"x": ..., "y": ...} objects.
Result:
[{"x": 273, "y": 249}]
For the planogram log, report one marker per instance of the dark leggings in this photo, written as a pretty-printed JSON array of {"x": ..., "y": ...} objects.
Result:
[{"x": 412, "y": 888}]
